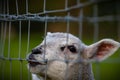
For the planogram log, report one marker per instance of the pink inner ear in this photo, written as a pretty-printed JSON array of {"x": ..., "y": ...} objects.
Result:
[{"x": 104, "y": 49}]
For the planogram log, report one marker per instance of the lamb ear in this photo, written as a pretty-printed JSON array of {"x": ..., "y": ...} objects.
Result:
[{"x": 101, "y": 50}]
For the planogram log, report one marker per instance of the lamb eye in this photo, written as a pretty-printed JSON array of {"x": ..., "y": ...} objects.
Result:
[
  {"x": 72, "y": 49},
  {"x": 62, "y": 48}
]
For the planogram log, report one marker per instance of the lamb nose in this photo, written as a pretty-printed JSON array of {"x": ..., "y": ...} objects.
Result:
[
  {"x": 36, "y": 51},
  {"x": 31, "y": 57}
]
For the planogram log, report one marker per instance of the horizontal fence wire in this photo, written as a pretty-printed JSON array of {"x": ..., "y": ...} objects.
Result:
[
  {"x": 34, "y": 17},
  {"x": 38, "y": 17},
  {"x": 8, "y": 21}
]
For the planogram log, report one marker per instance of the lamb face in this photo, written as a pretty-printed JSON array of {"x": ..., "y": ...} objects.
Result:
[
  {"x": 56, "y": 49},
  {"x": 61, "y": 51}
]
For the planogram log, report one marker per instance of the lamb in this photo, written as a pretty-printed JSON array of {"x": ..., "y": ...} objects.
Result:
[{"x": 62, "y": 56}]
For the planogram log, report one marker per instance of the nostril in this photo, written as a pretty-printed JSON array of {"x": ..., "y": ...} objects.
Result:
[
  {"x": 31, "y": 57},
  {"x": 36, "y": 51}
]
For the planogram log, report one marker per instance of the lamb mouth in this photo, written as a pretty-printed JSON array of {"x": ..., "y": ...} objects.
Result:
[
  {"x": 31, "y": 63},
  {"x": 35, "y": 63}
]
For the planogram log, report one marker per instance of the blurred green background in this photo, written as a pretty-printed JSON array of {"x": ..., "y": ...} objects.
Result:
[{"x": 17, "y": 70}]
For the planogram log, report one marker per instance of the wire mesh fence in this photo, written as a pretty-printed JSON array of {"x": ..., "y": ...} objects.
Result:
[{"x": 24, "y": 24}]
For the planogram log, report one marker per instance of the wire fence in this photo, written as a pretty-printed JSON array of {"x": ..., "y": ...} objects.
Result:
[{"x": 24, "y": 23}]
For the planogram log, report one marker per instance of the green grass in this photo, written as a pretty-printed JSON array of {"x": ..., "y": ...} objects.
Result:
[{"x": 17, "y": 69}]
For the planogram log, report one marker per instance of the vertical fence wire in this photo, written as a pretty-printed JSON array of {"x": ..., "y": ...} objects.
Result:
[
  {"x": 9, "y": 39},
  {"x": 9, "y": 47},
  {"x": 2, "y": 29},
  {"x": 80, "y": 34},
  {"x": 9, "y": 25},
  {"x": 19, "y": 49},
  {"x": 21, "y": 70},
  {"x": 66, "y": 5},
  {"x": 81, "y": 23},
  {"x": 3, "y": 69},
  {"x": 26, "y": 6},
  {"x": 5, "y": 30},
  {"x": 17, "y": 11},
  {"x": 4, "y": 7},
  {"x": 10, "y": 69},
  {"x": 96, "y": 25},
  {"x": 44, "y": 6},
  {"x": 7, "y": 7},
  {"x": 95, "y": 37},
  {"x": 1, "y": 52},
  {"x": 28, "y": 37},
  {"x": 3, "y": 48},
  {"x": 45, "y": 32},
  {"x": 4, "y": 37},
  {"x": 28, "y": 43},
  {"x": 67, "y": 38}
]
